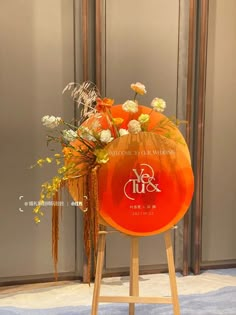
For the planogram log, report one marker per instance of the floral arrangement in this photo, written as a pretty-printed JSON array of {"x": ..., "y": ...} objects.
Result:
[
  {"x": 91, "y": 141},
  {"x": 83, "y": 143}
]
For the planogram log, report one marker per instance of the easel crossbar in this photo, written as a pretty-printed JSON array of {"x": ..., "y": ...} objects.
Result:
[{"x": 136, "y": 299}]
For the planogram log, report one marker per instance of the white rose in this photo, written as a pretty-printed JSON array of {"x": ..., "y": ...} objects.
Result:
[
  {"x": 134, "y": 126},
  {"x": 69, "y": 135},
  {"x": 105, "y": 136},
  {"x": 158, "y": 104},
  {"x": 123, "y": 132},
  {"x": 138, "y": 88},
  {"x": 51, "y": 121},
  {"x": 130, "y": 106}
]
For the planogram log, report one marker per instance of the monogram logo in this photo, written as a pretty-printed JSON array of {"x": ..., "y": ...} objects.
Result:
[{"x": 143, "y": 182}]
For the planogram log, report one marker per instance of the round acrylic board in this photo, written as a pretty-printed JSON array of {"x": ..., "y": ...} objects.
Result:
[{"x": 147, "y": 185}]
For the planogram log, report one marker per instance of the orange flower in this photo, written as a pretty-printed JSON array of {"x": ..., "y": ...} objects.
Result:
[{"x": 103, "y": 104}]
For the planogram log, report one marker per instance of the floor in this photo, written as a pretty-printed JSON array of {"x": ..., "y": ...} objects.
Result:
[{"x": 74, "y": 293}]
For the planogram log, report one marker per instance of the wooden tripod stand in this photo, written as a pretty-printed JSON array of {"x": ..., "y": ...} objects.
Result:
[{"x": 134, "y": 278}]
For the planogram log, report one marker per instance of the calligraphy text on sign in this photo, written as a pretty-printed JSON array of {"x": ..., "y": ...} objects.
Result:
[{"x": 143, "y": 182}]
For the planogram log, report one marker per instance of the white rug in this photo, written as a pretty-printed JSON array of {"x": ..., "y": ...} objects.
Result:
[{"x": 211, "y": 292}]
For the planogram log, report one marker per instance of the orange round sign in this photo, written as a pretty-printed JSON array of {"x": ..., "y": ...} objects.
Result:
[{"x": 147, "y": 185}]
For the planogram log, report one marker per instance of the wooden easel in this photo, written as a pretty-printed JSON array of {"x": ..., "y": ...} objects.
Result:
[{"x": 134, "y": 278}]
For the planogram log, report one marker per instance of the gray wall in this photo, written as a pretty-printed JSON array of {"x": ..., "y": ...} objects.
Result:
[
  {"x": 37, "y": 61},
  {"x": 142, "y": 46},
  {"x": 219, "y": 189}
]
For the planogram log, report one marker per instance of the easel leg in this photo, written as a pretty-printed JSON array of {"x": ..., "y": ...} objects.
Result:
[
  {"x": 171, "y": 266},
  {"x": 98, "y": 277},
  {"x": 134, "y": 272}
]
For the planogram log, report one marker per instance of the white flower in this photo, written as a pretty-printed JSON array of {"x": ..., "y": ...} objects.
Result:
[
  {"x": 105, "y": 136},
  {"x": 134, "y": 126},
  {"x": 51, "y": 121},
  {"x": 138, "y": 88},
  {"x": 158, "y": 104},
  {"x": 130, "y": 106},
  {"x": 123, "y": 132},
  {"x": 69, "y": 135}
]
